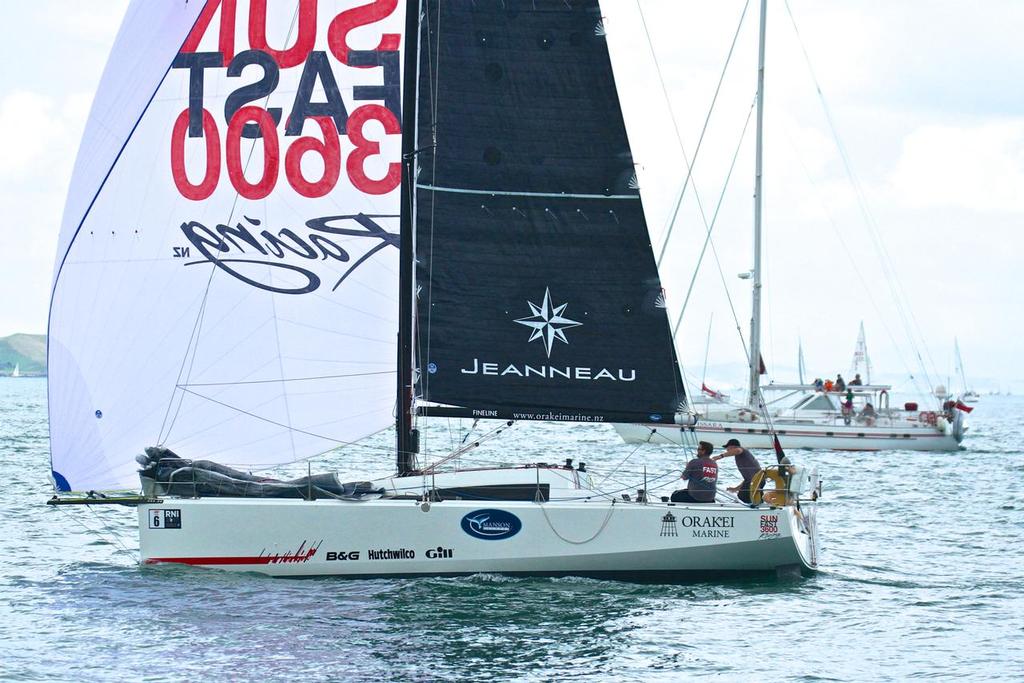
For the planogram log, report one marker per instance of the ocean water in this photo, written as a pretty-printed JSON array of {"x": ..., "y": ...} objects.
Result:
[{"x": 922, "y": 576}]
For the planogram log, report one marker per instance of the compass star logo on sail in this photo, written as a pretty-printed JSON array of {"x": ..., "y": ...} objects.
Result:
[{"x": 547, "y": 322}]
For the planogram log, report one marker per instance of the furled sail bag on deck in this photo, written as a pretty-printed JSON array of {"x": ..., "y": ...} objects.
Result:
[{"x": 539, "y": 294}]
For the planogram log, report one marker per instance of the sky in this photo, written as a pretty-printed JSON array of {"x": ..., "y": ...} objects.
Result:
[{"x": 923, "y": 245}]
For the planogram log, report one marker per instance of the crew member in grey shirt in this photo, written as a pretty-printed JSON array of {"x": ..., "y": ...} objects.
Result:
[
  {"x": 746, "y": 463},
  {"x": 701, "y": 475}
]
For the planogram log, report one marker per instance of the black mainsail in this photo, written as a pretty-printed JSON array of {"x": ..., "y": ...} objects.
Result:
[{"x": 539, "y": 297}]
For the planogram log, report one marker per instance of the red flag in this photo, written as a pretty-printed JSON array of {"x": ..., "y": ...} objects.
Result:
[
  {"x": 762, "y": 370},
  {"x": 779, "y": 453},
  {"x": 960, "y": 405},
  {"x": 711, "y": 392}
]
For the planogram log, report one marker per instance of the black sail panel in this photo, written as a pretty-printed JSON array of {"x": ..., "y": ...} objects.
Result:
[{"x": 538, "y": 291}]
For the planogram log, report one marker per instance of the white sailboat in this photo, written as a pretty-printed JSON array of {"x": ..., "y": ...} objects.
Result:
[
  {"x": 809, "y": 418},
  {"x": 17, "y": 370},
  {"x": 228, "y": 289}
]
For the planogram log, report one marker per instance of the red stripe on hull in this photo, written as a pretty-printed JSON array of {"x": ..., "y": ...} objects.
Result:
[{"x": 214, "y": 560}]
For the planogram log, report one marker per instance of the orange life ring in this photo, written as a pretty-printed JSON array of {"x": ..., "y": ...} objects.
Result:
[{"x": 776, "y": 498}]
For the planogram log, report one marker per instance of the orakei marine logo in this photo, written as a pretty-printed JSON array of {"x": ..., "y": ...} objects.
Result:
[
  {"x": 283, "y": 99},
  {"x": 491, "y": 525},
  {"x": 547, "y": 322}
]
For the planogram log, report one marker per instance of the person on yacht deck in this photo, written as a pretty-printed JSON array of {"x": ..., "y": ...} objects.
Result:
[
  {"x": 848, "y": 406},
  {"x": 746, "y": 463},
  {"x": 840, "y": 383},
  {"x": 856, "y": 381}
]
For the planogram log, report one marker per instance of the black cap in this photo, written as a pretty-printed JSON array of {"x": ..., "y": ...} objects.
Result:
[{"x": 732, "y": 442}]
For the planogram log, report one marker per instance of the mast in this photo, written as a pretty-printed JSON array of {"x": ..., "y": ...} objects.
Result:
[
  {"x": 407, "y": 442},
  {"x": 960, "y": 365},
  {"x": 800, "y": 360},
  {"x": 755, "y": 318}
]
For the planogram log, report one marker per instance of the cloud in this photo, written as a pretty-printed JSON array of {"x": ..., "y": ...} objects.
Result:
[
  {"x": 31, "y": 117},
  {"x": 980, "y": 167},
  {"x": 39, "y": 153},
  {"x": 43, "y": 136},
  {"x": 95, "y": 23}
]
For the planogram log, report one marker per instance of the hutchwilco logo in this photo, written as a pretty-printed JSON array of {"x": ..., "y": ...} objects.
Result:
[
  {"x": 547, "y": 322},
  {"x": 491, "y": 525}
]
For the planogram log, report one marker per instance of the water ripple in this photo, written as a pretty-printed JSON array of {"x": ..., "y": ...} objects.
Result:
[{"x": 921, "y": 578}]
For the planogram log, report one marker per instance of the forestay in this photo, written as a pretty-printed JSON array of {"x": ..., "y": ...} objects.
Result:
[
  {"x": 226, "y": 278},
  {"x": 539, "y": 295}
]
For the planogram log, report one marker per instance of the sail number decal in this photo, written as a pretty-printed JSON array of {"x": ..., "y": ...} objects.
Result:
[
  {"x": 163, "y": 518},
  {"x": 317, "y": 98}
]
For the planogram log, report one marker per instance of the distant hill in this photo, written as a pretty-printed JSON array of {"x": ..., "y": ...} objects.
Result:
[{"x": 27, "y": 351}]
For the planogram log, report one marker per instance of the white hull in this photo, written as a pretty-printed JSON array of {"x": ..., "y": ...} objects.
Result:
[
  {"x": 826, "y": 437},
  {"x": 389, "y": 537}
]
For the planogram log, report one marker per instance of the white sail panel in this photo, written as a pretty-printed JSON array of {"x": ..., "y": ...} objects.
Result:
[
  {"x": 154, "y": 29},
  {"x": 231, "y": 291}
]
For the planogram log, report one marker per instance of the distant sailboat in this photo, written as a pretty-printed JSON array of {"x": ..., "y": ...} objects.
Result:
[
  {"x": 17, "y": 371},
  {"x": 807, "y": 417},
  {"x": 861, "y": 364}
]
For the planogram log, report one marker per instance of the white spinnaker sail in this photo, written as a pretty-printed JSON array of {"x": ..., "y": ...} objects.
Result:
[{"x": 240, "y": 306}]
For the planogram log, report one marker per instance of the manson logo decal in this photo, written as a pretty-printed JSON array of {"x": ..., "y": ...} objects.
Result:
[
  {"x": 491, "y": 525},
  {"x": 547, "y": 322},
  {"x": 233, "y": 249}
]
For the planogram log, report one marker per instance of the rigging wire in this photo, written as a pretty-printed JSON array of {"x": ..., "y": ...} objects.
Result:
[
  {"x": 105, "y": 532},
  {"x": 431, "y": 469},
  {"x": 197, "y": 328},
  {"x": 853, "y": 262},
  {"x": 700, "y": 140},
  {"x": 607, "y": 518},
  {"x": 707, "y": 350},
  {"x": 285, "y": 379},
  {"x": 707, "y": 237},
  {"x": 895, "y": 285},
  {"x": 670, "y": 225},
  {"x": 336, "y": 441}
]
